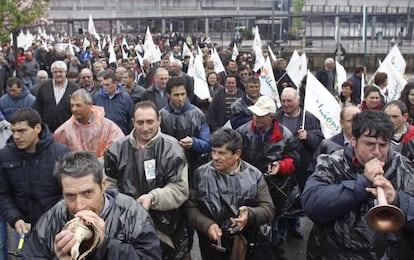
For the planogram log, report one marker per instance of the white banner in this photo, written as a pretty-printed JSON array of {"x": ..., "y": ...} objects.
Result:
[
  {"x": 396, "y": 82},
  {"x": 271, "y": 53},
  {"x": 322, "y": 104},
  {"x": 91, "y": 28},
  {"x": 235, "y": 52},
  {"x": 218, "y": 65},
  {"x": 257, "y": 48},
  {"x": 112, "y": 55},
  {"x": 267, "y": 82},
  {"x": 186, "y": 50},
  {"x": 150, "y": 51},
  {"x": 395, "y": 58},
  {"x": 293, "y": 60},
  {"x": 198, "y": 73},
  {"x": 340, "y": 75},
  {"x": 298, "y": 69}
]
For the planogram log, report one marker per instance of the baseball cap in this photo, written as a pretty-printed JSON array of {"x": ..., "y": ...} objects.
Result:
[{"x": 263, "y": 106}]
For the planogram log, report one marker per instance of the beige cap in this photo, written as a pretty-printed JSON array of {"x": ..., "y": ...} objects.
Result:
[{"x": 265, "y": 105}]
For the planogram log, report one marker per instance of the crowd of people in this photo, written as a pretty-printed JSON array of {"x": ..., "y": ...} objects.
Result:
[{"x": 134, "y": 153}]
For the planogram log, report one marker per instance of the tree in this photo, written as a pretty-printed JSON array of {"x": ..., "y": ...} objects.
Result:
[
  {"x": 19, "y": 14},
  {"x": 297, "y": 10}
]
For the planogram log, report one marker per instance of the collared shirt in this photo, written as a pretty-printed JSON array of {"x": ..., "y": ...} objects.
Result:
[
  {"x": 90, "y": 119},
  {"x": 161, "y": 91},
  {"x": 59, "y": 91}
]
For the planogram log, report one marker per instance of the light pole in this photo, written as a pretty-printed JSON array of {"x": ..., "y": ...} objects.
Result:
[{"x": 273, "y": 23}]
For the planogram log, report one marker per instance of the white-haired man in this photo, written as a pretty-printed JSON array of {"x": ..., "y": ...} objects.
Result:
[{"x": 53, "y": 97}]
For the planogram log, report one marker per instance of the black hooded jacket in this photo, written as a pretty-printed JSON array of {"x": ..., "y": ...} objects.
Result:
[{"x": 27, "y": 185}]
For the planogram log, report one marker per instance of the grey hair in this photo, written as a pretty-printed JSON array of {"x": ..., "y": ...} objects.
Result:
[
  {"x": 59, "y": 65},
  {"x": 43, "y": 72},
  {"x": 292, "y": 90},
  {"x": 84, "y": 94},
  {"x": 178, "y": 63},
  {"x": 329, "y": 60}
]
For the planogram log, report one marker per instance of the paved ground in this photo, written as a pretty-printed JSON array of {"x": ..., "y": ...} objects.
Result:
[{"x": 294, "y": 249}]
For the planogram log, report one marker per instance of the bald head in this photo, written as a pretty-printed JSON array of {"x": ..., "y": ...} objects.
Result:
[{"x": 346, "y": 115}]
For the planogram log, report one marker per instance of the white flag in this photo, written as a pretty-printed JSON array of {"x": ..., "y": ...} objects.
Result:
[
  {"x": 99, "y": 45},
  {"x": 293, "y": 59},
  {"x": 198, "y": 73},
  {"x": 29, "y": 39},
  {"x": 199, "y": 51},
  {"x": 395, "y": 58},
  {"x": 104, "y": 42},
  {"x": 44, "y": 34},
  {"x": 70, "y": 46},
  {"x": 298, "y": 69},
  {"x": 21, "y": 40},
  {"x": 396, "y": 82},
  {"x": 124, "y": 54},
  {"x": 322, "y": 104},
  {"x": 91, "y": 28},
  {"x": 235, "y": 52},
  {"x": 86, "y": 43},
  {"x": 112, "y": 55},
  {"x": 140, "y": 59},
  {"x": 44, "y": 44},
  {"x": 191, "y": 63},
  {"x": 124, "y": 43},
  {"x": 186, "y": 50},
  {"x": 257, "y": 48},
  {"x": 150, "y": 51},
  {"x": 218, "y": 65},
  {"x": 272, "y": 55},
  {"x": 267, "y": 82},
  {"x": 340, "y": 75},
  {"x": 257, "y": 41}
]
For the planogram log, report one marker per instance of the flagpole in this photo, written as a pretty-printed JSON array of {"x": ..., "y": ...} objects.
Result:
[
  {"x": 281, "y": 77},
  {"x": 362, "y": 88},
  {"x": 303, "y": 119},
  {"x": 364, "y": 22}
]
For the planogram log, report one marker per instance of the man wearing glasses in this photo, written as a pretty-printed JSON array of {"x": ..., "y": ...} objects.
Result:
[{"x": 86, "y": 81}]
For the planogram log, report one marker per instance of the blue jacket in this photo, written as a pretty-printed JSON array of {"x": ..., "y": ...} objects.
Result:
[
  {"x": 119, "y": 109},
  {"x": 27, "y": 185},
  {"x": 240, "y": 114},
  {"x": 84, "y": 56},
  {"x": 336, "y": 200},
  {"x": 188, "y": 121},
  {"x": 9, "y": 104}
]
